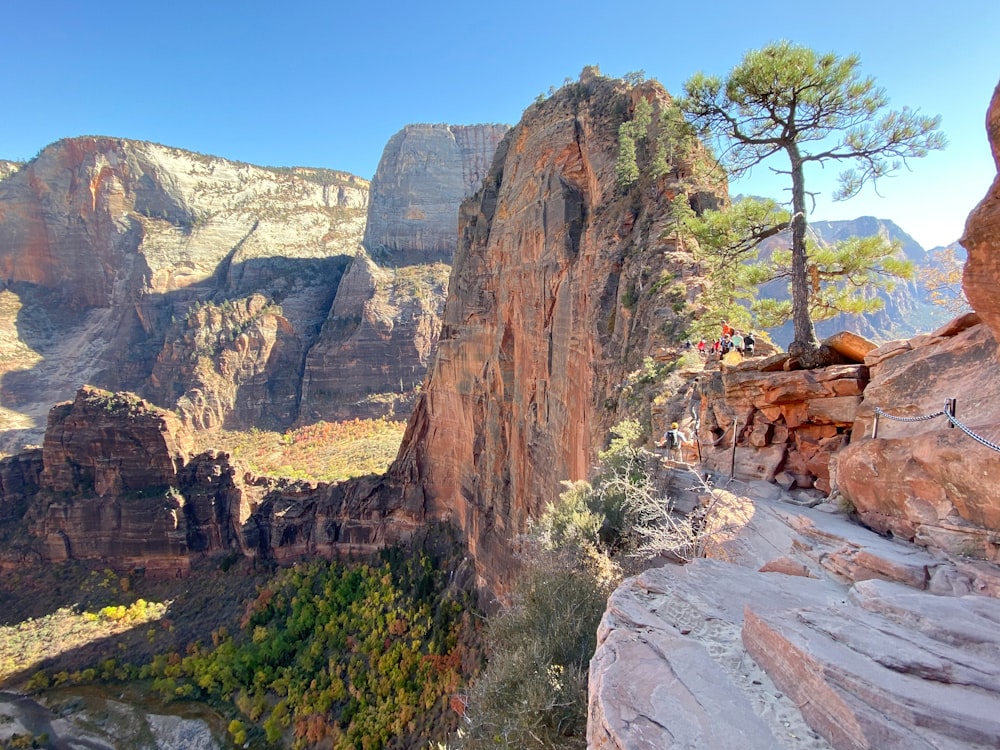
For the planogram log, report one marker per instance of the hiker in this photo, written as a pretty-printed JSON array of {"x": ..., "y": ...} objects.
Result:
[
  {"x": 737, "y": 341},
  {"x": 748, "y": 344},
  {"x": 701, "y": 347},
  {"x": 727, "y": 330},
  {"x": 673, "y": 441}
]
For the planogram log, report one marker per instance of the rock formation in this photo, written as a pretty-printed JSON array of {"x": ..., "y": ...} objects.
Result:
[
  {"x": 425, "y": 171},
  {"x": 115, "y": 480},
  {"x": 982, "y": 237},
  {"x": 786, "y": 425},
  {"x": 104, "y": 242},
  {"x": 210, "y": 286},
  {"x": 380, "y": 336},
  {"x": 808, "y": 632},
  {"x": 542, "y": 321},
  {"x": 925, "y": 481}
]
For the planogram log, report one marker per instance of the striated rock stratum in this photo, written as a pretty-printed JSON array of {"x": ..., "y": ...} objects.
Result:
[
  {"x": 214, "y": 287},
  {"x": 542, "y": 322}
]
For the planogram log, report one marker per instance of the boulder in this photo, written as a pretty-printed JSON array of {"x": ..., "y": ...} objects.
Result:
[
  {"x": 925, "y": 480},
  {"x": 981, "y": 239},
  {"x": 849, "y": 345}
]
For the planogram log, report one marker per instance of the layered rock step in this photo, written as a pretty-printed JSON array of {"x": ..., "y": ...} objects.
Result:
[{"x": 811, "y": 633}]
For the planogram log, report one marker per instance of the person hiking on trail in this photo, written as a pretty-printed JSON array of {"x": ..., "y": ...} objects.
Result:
[
  {"x": 727, "y": 330},
  {"x": 737, "y": 341},
  {"x": 748, "y": 344},
  {"x": 673, "y": 440}
]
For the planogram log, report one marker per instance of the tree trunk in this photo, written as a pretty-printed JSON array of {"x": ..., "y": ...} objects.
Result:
[{"x": 804, "y": 342}]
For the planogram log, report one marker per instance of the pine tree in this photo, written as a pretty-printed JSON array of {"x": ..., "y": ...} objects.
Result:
[{"x": 813, "y": 108}]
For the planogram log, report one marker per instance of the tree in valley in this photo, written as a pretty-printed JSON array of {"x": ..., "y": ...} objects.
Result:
[{"x": 813, "y": 108}]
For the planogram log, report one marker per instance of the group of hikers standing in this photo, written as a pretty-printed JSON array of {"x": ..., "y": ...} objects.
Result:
[{"x": 731, "y": 340}]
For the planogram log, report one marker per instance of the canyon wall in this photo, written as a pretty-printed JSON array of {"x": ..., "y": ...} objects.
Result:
[
  {"x": 214, "y": 287},
  {"x": 413, "y": 215},
  {"x": 543, "y": 319},
  {"x": 109, "y": 246},
  {"x": 381, "y": 333}
]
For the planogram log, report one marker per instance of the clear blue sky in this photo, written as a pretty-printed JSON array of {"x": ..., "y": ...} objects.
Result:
[{"x": 327, "y": 83}]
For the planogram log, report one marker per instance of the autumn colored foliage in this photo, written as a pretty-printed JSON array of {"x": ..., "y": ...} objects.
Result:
[
  {"x": 324, "y": 451},
  {"x": 336, "y": 655}
]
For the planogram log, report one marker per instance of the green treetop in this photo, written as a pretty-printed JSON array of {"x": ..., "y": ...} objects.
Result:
[{"x": 788, "y": 99}]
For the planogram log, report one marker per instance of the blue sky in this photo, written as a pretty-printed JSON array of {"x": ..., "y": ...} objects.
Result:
[{"x": 326, "y": 84}]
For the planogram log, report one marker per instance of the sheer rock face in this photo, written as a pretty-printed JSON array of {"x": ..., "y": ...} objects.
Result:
[
  {"x": 381, "y": 333},
  {"x": 425, "y": 171},
  {"x": 105, "y": 244},
  {"x": 536, "y": 334},
  {"x": 113, "y": 485},
  {"x": 981, "y": 279}
]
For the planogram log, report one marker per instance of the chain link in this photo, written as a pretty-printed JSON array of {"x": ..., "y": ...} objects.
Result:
[
  {"x": 951, "y": 418},
  {"x": 923, "y": 418},
  {"x": 978, "y": 438}
]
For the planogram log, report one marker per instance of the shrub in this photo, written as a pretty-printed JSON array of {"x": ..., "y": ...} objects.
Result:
[{"x": 533, "y": 691}]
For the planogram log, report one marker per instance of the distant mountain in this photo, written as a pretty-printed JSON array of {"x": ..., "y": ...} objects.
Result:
[{"x": 906, "y": 310}]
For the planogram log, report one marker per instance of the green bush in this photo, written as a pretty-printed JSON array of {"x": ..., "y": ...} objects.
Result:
[{"x": 533, "y": 691}]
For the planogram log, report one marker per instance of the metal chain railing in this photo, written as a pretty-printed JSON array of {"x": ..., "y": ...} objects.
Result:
[
  {"x": 948, "y": 411},
  {"x": 978, "y": 438},
  {"x": 922, "y": 418}
]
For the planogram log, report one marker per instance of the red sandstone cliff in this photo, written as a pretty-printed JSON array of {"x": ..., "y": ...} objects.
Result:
[
  {"x": 541, "y": 322},
  {"x": 981, "y": 280}
]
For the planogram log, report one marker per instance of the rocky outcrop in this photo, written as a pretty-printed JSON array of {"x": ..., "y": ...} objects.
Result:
[
  {"x": 377, "y": 343},
  {"x": 787, "y": 426},
  {"x": 982, "y": 237},
  {"x": 110, "y": 484},
  {"x": 926, "y": 481},
  {"x": 923, "y": 479},
  {"x": 234, "y": 365},
  {"x": 115, "y": 480},
  {"x": 542, "y": 321},
  {"x": 809, "y": 632}
]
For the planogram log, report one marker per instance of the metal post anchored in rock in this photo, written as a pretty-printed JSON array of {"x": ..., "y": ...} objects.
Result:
[{"x": 732, "y": 464}]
